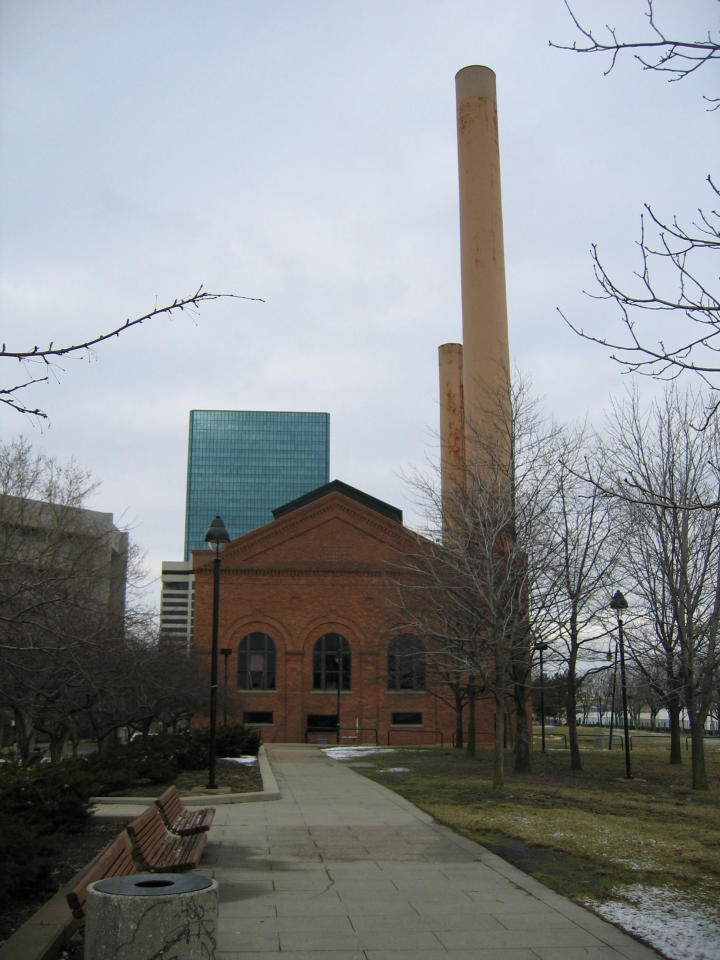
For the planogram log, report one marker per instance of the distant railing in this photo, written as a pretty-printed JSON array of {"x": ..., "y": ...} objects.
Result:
[
  {"x": 602, "y": 740},
  {"x": 414, "y": 731},
  {"x": 353, "y": 734}
]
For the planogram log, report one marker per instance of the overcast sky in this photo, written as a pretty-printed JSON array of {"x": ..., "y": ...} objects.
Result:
[{"x": 305, "y": 153}]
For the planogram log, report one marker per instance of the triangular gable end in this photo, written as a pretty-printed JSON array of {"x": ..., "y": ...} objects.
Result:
[{"x": 335, "y": 529}]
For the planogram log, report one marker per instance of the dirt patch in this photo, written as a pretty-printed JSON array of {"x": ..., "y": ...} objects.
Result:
[{"x": 230, "y": 778}]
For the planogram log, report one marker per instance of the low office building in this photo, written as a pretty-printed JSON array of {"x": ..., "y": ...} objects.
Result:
[
  {"x": 308, "y": 612},
  {"x": 63, "y": 549},
  {"x": 176, "y": 603}
]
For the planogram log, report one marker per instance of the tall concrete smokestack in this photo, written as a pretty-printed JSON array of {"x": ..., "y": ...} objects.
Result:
[
  {"x": 452, "y": 424},
  {"x": 486, "y": 361}
]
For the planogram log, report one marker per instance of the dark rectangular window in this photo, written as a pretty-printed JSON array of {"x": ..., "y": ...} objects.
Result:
[
  {"x": 322, "y": 721},
  {"x": 406, "y": 719},
  {"x": 258, "y": 716}
]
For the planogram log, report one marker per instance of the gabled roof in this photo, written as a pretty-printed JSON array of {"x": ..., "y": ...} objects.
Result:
[
  {"x": 334, "y": 528},
  {"x": 337, "y": 486}
]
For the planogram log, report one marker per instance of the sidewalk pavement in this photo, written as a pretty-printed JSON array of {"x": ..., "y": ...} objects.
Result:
[{"x": 340, "y": 868}]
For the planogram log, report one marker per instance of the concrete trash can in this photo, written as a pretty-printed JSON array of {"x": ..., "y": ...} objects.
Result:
[{"x": 151, "y": 915}]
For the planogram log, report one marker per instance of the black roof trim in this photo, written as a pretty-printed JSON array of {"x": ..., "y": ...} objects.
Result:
[{"x": 337, "y": 486}]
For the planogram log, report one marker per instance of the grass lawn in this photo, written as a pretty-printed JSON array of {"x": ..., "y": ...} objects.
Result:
[{"x": 589, "y": 835}]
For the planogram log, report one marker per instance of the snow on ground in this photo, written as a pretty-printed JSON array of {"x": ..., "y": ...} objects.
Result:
[
  {"x": 247, "y": 760},
  {"x": 354, "y": 753},
  {"x": 667, "y": 920}
]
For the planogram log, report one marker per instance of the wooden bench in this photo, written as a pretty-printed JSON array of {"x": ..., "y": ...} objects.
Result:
[
  {"x": 154, "y": 848},
  {"x": 116, "y": 861},
  {"x": 180, "y": 819}
]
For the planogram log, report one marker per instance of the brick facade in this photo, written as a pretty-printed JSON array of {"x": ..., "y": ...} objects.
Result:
[{"x": 322, "y": 568}]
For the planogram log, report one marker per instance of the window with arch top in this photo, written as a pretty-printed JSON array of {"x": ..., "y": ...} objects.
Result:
[
  {"x": 256, "y": 662},
  {"x": 332, "y": 663},
  {"x": 406, "y": 663}
]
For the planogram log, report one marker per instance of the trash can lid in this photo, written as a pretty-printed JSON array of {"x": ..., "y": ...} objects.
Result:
[{"x": 153, "y": 884}]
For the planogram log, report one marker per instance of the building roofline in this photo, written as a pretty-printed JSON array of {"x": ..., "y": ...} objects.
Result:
[{"x": 337, "y": 486}]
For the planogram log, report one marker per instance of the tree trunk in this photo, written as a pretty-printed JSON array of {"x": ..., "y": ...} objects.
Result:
[
  {"x": 522, "y": 728},
  {"x": 57, "y": 745},
  {"x": 24, "y": 735},
  {"x": 697, "y": 739},
  {"x": 459, "y": 738},
  {"x": 471, "y": 697},
  {"x": 674, "y": 710},
  {"x": 575, "y": 758},
  {"x": 499, "y": 749}
]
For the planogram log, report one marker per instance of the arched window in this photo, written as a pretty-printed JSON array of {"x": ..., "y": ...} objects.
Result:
[
  {"x": 256, "y": 662},
  {"x": 331, "y": 663},
  {"x": 406, "y": 663}
]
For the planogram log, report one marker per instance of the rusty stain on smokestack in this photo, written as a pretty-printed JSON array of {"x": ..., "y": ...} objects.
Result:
[
  {"x": 486, "y": 374},
  {"x": 452, "y": 423}
]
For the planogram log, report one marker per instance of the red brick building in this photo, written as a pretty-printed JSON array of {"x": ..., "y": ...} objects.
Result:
[{"x": 307, "y": 601}]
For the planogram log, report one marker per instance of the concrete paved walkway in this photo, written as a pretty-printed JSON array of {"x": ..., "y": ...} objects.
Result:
[{"x": 339, "y": 868}]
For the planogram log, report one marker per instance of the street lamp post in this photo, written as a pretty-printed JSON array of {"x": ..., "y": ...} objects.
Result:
[
  {"x": 618, "y": 604},
  {"x": 216, "y": 535},
  {"x": 225, "y": 652},
  {"x": 541, "y": 648},
  {"x": 613, "y": 685},
  {"x": 339, "y": 688}
]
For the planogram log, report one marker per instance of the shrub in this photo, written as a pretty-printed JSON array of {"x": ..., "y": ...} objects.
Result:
[
  {"x": 38, "y": 802},
  {"x": 194, "y": 746},
  {"x": 26, "y": 860}
]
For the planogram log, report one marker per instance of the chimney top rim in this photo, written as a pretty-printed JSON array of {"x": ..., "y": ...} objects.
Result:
[{"x": 475, "y": 81}]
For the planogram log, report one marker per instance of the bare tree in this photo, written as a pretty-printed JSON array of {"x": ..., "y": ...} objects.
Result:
[
  {"x": 677, "y": 276},
  {"x": 62, "y": 587},
  {"x": 468, "y": 588},
  {"x": 48, "y": 358},
  {"x": 580, "y": 574},
  {"x": 674, "y": 553}
]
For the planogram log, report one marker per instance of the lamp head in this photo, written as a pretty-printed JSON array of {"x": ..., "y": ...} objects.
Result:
[
  {"x": 618, "y": 602},
  {"x": 217, "y": 533}
]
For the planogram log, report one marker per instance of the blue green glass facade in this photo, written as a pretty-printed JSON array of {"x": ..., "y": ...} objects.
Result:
[{"x": 244, "y": 463}]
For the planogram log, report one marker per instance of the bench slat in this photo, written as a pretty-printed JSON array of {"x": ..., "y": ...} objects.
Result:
[
  {"x": 155, "y": 848},
  {"x": 116, "y": 861},
  {"x": 180, "y": 819}
]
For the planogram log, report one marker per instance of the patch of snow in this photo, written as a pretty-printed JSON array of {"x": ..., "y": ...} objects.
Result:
[
  {"x": 354, "y": 753},
  {"x": 396, "y": 770},
  {"x": 669, "y": 921},
  {"x": 247, "y": 760}
]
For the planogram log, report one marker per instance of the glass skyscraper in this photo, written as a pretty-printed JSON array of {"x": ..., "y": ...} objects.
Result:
[{"x": 244, "y": 463}]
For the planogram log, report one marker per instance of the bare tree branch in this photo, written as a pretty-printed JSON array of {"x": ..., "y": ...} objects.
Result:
[
  {"x": 678, "y": 57},
  {"x": 675, "y": 277},
  {"x": 683, "y": 291},
  {"x": 48, "y": 355}
]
